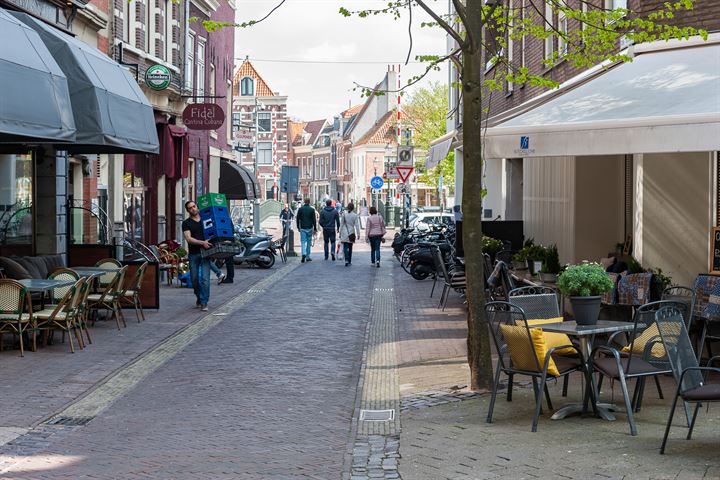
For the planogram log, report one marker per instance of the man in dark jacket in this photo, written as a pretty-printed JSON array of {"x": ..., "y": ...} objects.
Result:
[
  {"x": 307, "y": 225},
  {"x": 330, "y": 223}
]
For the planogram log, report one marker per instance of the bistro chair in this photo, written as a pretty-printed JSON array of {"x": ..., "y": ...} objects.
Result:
[
  {"x": 110, "y": 264},
  {"x": 691, "y": 378},
  {"x": 451, "y": 280},
  {"x": 63, "y": 316},
  {"x": 14, "y": 301},
  {"x": 130, "y": 295},
  {"x": 643, "y": 357},
  {"x": 109, "y": 298},
  {"x": 62, "y": 274},
  {"x": 83, "y": 310},
  {"x": 522, "y": 350}
]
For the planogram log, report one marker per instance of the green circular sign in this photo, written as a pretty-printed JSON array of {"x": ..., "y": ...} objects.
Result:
[{"x": 157, "y": 77}]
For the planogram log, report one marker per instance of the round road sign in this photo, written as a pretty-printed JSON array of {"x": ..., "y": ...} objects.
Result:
[{"x": 377, "y": 182}]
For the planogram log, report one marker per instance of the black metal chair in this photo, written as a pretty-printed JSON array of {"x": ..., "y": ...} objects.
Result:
[
  {"x": 451, "y": 280},
  {"x": 643, "y": 357},
  {"x": 691, "y": 378},
  {"x": 514, "y": 342}
]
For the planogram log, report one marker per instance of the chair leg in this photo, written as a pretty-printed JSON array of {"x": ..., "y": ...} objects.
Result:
[
  {"x": 445, "y": 299},
  {"x": 628, "y": 404},
  {"x": 694, "y": 417},
  {"x": 433, "y": 287},
  {"x": 538, "y": 400},
  {"x": 70, "y": 341},
  {"x": 547, "y": 397},
  {"x": 659, "y": 388},
  {"x": 116, "y": 305},
  {"x": 565, "y": 385},
  {"x": 688, "y": 416},
  {"x": 22, "y": 348},
  {"x": 669, "y": 422},
  {"x": 493, "y": 394},
  {"x": 509, "y": 387}
]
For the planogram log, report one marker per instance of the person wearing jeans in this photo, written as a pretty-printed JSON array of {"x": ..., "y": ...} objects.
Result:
[
  {"x": 307, "y": 224},
  {"x": 375, "y": 233},
  {"x": 199, "y": 266},
  {"x": 349, "y": 232},
  {"x": 330, "y": 222}
]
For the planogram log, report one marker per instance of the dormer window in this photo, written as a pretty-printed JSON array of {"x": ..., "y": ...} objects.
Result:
[{"x": 247, "y": 87}]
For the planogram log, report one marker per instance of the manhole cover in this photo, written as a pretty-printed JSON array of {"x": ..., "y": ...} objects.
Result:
[
  {"x": 70, "y": 421},
  {"x": 377, "y": 415}
]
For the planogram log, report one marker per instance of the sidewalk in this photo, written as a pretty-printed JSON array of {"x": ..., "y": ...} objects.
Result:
[{"x": 445, "y": 434}]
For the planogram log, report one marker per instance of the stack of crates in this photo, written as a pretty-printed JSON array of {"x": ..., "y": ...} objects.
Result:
[{"x": 215, "y": 217}]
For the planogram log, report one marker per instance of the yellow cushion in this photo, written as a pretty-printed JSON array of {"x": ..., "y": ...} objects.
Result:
[
  {"x": 554, "y": 339},
  {"x": 650, "y": 333},
  {"x": 518, "y": 346}
]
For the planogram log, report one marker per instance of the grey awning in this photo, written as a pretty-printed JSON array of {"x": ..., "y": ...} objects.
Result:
[
  {"x": 439, "y": 149},
  {"x": 34, "y": 100},
  {"x": 111, "y": 112},
  {"x": 237, "y": 182}
]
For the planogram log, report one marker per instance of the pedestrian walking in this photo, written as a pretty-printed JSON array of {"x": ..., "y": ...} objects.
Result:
[
  {"x": 199, "y": 266},
  {"x": 330, "y": 223},
  {"x": 375, "y": 234},
  {"x": 286, "y": 216},
  {"x": 216, "y": 270},
  {"x": 349, "y": 232},
  {"x": 307, "y": 225}
]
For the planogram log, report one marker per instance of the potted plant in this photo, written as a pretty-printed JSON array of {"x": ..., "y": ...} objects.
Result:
[
  {"x": 491, "y": 246},
  {"x": 550, "y": 265},
  {"x": 585, "y": 284},
  {"x": 535, "y": 256}
]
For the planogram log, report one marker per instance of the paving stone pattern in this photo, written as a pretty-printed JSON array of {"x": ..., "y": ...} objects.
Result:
[{"x": 266, "y": 393}]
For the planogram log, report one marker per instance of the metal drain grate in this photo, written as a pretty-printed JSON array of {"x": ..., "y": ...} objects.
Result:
[
  {"x": 384, "y": 289},
  {"x": 377, "y": 415},
  {"x": 70, "y": 421}
]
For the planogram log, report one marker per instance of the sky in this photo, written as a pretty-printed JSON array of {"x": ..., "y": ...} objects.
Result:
[{"x": 284, "y": 47}]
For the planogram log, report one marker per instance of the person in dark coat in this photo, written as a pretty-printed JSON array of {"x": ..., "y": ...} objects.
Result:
[
  {"x": 330, "y": 223},
  {"x": 307, "y": 225}
]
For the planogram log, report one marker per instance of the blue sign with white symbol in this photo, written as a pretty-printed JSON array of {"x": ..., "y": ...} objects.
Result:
[
  {"x": 377, "y": 182},
  {"x": 524, "y": 143}
]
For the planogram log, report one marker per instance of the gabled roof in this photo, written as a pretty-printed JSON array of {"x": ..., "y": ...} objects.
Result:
[
  {"x": 352, "y": 111},
  {"x": 246, "y": 69},
  {"x": 314, "y": 128},
  {"x": 382, "y": 132},
  {"x": 364, "y": 107},
  {"x": 295, "y": 130}
]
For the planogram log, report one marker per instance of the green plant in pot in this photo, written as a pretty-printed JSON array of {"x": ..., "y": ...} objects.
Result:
[
  {"x": 491, "y": 246},
  {"x": 535, "y": 257},
  {"x": 550, "y": 265},
  {"x": 585, "y": 284}
]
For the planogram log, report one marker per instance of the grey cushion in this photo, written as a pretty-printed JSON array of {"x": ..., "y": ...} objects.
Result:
[
  {"x": 29, "y": 266},
  {"x": 13, "y": 269},
  {"x": 53, "y": 262},
  {"x": 39, "y": 264}
]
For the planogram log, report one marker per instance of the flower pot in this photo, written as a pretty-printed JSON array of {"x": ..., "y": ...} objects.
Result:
[
  {"x": 534, "y": 266},
  {"x": 586, "y": 309},
  {"x": 548, "y": 277}
]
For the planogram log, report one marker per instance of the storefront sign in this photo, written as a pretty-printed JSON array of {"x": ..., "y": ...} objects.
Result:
[
  {"x": 203, "y": 116},
  {"x": 158, "y": 77},
  {"x": 715, "y": 251}
]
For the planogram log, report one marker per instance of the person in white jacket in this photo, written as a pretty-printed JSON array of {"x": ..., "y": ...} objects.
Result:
[
  {"x": 375, "y": 234},
  {"x": 349, "y": 232}
]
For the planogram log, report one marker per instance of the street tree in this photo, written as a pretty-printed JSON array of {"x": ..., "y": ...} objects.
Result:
[
  {"x": 425, "y": 111},
  {"x": 481, "y": 31}
]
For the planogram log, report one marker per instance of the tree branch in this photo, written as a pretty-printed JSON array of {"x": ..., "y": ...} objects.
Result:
[
  {"x": 445, "y": 26},
  {"x": 255, "y": 22}
]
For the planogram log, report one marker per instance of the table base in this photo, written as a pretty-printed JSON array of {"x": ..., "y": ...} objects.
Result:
[{"x": 603, "y": 411}]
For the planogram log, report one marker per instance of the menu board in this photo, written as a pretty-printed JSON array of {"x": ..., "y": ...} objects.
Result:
[{"x": 715, "y": 251}]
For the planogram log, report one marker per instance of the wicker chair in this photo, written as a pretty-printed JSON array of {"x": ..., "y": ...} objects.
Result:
[
  {"x": 691, "y": 378},
  {"x": 513, "y": 339},
  {"x": 130, "y": 295},
  {"x": 63, "y": 316},
  {"x": 109, "y": 298},
  {"x": 62, "y": 274},
  {"x": 14, "y": 300},
  {"x": 110, "y": 264}
]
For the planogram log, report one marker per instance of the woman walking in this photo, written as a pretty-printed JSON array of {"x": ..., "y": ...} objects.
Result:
[
  {"x": 375, "y": 234},
  {"x": 349, "y": 231}
]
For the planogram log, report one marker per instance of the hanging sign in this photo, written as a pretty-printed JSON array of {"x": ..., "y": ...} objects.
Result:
[
  {"x": 158, "y": 77},
  {"x": 203, "y": 116}
]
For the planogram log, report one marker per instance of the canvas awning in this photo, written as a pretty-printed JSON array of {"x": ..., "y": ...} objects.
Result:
[
  {"x": 439, "y": 149},
  {"x": 665, "y": 100},
  {"x": 237, "y": 182},
  {"x": 34, "y": 101},
  {"x": 110, "y": 110}
]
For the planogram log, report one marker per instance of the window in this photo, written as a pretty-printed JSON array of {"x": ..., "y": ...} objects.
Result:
[
  {"x": 264, "y": 153},
  {"x": 168, "y": 31},
  {"x": 128, "y": 10},
  {"x": 264, "y": 122},
  {"x": 563, "y": 29},
  {"x": 615, "y": 4},
  {"x": 200, "y": 60},
  {"x": 228, "y": 109},
  {"x": 247, "y": 87},
  {"x": 149, "y": 26},
  {"x": 211, "y": 86},
  {"x": 190, "y": 65},
  {"x": 549, "y": 45}
]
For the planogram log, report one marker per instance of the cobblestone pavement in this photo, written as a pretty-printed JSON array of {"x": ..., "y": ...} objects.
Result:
[{"x": 268, "y": 392}]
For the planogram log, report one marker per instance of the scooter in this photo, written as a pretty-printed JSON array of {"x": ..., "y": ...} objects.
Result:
[{"x": 255, "y": 249}]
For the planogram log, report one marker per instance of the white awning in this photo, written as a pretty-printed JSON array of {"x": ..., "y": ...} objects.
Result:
[
  {"x": 439, "y": 149},
  {"x": 663, "y": 101}
]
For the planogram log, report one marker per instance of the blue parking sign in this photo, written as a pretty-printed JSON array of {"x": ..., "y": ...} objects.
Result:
[{"x": 376, "y": 183}]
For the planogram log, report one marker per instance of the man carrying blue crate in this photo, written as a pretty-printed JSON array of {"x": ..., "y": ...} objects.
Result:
[{"x": 195, "y": 237}]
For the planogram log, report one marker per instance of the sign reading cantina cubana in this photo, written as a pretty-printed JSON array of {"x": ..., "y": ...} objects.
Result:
[{"x": 203, "y": 116}]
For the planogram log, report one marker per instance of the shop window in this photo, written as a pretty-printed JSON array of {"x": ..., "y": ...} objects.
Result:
[
  {"x": 16, "y": 199},
  {"x": 133, "y": 206}
]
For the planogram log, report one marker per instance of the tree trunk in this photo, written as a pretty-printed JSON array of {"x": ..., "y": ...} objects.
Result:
[{"x": 478, "y": 341}]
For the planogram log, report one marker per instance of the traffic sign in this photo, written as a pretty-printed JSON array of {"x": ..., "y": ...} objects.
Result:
[
  {"x": 404, "y": 172},
  {"x": 376, "y": 182},
  {"x": 405, "y": 156}
]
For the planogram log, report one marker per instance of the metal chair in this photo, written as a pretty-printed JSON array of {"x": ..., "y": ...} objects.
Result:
[
  {"x": 451, "y": 281},
  {"x": 691, "y": 378},
  {"x": 130, "y": 295},
  {"x": 643, "y": 357},
  {"x": 517, "y": 355},
  {"x": 14, "y": 300}
]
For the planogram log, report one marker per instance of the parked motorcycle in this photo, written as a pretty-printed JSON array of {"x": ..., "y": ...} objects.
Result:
[{"x": 255, "y": 249}]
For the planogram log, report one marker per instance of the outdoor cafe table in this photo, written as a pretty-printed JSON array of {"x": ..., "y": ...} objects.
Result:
[
  {"x": 42, "y": 286},
  {"x": 585, "y": 335}
]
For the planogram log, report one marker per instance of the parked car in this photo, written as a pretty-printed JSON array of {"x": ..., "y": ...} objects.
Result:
[{"x": 427, "y": 218}]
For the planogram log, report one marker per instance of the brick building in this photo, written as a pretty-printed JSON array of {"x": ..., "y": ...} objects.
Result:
[{"x": 255, "y": 105}]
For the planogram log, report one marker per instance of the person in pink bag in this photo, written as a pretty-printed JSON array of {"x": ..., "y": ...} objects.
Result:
[{"x": 375, "y": 234}]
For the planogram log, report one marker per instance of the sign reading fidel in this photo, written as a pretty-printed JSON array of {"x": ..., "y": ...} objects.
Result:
[{"x": 203, "y": 116}]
